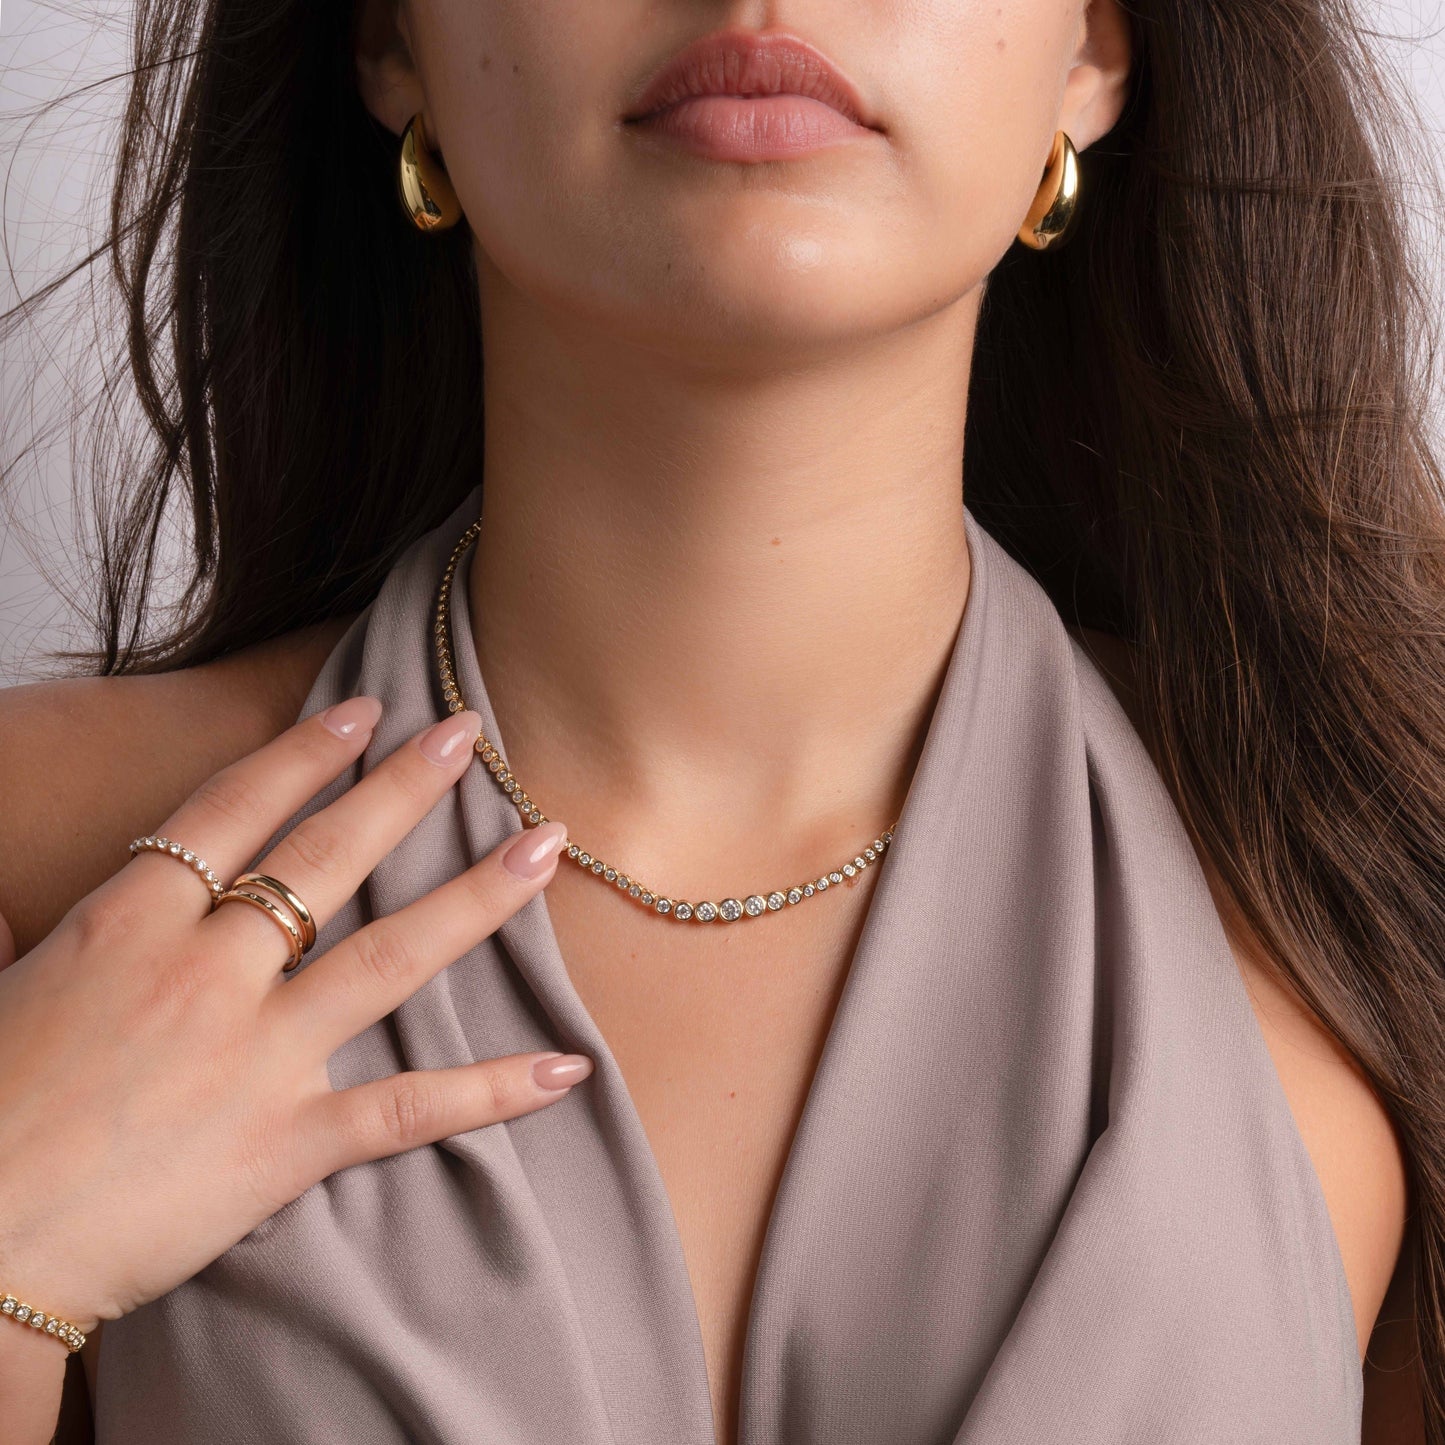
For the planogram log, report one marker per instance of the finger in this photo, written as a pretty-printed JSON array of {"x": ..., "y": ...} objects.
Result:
[
  {"x": 325, "y": 857},
  {"x": 375, "y": 969},
  {"x": 421, "y": 1106},
  {"x": 228, "y": 819}
]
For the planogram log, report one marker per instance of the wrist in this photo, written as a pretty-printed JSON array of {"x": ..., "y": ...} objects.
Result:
[
  {"x": 23, "y": 1296},
  {"x": 39, "y": 1267},
  {"x": 37, "y": 1277}
]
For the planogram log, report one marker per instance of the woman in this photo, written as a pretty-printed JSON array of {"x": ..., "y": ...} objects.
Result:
[{"x": 1107, "y": 1090}]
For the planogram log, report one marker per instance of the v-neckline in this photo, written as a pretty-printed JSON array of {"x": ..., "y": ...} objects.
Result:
[{"x": 531, "y": 941}]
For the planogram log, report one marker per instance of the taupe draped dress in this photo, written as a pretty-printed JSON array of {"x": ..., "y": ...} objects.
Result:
[{"x": 1046, "y": 1189}]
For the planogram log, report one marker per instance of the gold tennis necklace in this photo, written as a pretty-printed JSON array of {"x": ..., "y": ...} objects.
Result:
[{"x": 730, "y": 909}]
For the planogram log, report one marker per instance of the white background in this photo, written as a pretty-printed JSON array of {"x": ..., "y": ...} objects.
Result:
[{"x": 53, "y": 171}]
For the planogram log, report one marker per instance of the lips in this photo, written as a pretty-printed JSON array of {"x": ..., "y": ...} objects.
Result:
[{"x": 747, "y": 63}]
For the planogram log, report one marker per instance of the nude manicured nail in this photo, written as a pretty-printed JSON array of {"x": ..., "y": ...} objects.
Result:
[
  {"x": 441, "y": 741},
  {"x": 354, "y": 716},
  {"x": 561, "y": 1071},
  {"x": 531, "y": 855}
]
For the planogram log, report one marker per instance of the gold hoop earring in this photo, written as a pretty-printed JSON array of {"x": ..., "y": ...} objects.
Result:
[
  {"x": 424, "y": 188},
  {"x": 1056, "y": 203}
]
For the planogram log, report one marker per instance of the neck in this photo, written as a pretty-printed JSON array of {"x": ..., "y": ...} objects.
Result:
[{"x": 717, "y": 601}]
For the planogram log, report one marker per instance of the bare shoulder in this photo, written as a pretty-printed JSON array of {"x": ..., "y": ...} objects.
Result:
[
  {"x": 1347, "y": 1130},
  {"x": 87, "y": 764}
]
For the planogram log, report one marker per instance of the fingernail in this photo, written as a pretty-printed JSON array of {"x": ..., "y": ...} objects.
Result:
[
  {"x": 354, "y": 716},
  {"x": 531, "y": 854},
  {"x": 441, "y": 741},
  {"x": 561, "y": 1071}
]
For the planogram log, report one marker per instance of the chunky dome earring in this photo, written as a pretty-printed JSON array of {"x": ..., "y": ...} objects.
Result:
[
  {"x": 423, "y": 185},
  {"x": 1048, "y": 221}
]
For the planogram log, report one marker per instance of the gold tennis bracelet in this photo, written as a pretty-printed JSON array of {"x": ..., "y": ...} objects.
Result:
[{"x": 23, "y": 1314}]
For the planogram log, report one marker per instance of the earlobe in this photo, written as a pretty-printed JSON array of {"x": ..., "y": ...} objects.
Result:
[
  {"x": 1097, "y": 87},
  {"x": 386, "y": 74}
]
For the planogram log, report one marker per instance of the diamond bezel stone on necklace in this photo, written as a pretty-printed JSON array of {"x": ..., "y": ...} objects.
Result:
[{"x": 729, "y": 910}]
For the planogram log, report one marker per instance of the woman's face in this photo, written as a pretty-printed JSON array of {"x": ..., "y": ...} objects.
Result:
[{"x": 580, "y": 210}]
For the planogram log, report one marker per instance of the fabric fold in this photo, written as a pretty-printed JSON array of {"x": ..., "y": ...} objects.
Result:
[{"x": 1046, "y": 1186}]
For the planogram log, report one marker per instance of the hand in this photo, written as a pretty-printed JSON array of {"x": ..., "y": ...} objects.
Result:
[{"x": 163, "y": 1085}]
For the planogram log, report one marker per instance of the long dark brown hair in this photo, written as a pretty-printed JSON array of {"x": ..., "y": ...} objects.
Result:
[{"x": 1201, "y": 424}]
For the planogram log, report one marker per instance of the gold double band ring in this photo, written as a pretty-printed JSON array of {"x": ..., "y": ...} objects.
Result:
[
  {"x": 302, "y": 912},
  {"x": 300, "y": 930}
]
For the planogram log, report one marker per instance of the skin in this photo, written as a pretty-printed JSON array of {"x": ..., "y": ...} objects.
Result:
[
  {"x": 725, "y": 404},
  {"x": 777, "y": 355},
  {"x": 185, "y": 1094},
  {"x": 150, "y": 740}
]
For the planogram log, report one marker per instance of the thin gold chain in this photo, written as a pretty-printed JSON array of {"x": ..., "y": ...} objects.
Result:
[{"x": 729, "y": 909}]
